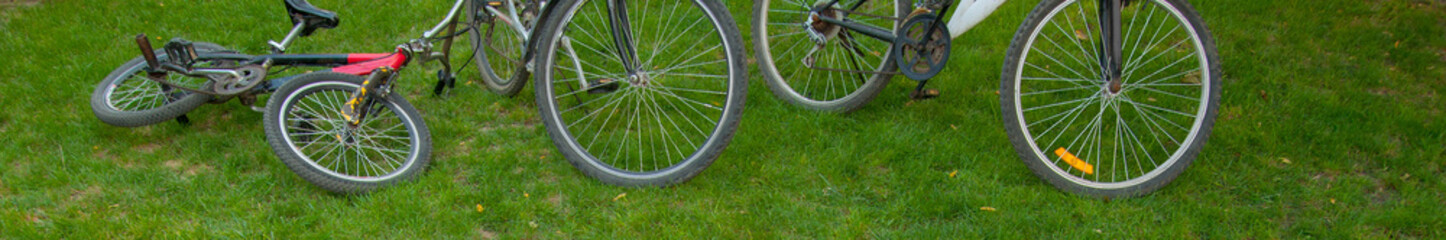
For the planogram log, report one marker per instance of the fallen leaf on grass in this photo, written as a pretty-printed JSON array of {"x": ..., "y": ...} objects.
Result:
[
  {"x": 1191, "y": 78},
  {"x": 526, "y": 195},
  {"x": 479, "y": 208},
  {"x": 533, "y": 224},
  {"x": 620, "y": 196},
  {"x": 1333, "y": 201},
  {"x": 1285, "y": 160},
  {"x": 955, "y": 172},
  {"x": 1080, "y": 34},
  {"x": 953, "y": 127},
  {"x": 986, "y": 208}
]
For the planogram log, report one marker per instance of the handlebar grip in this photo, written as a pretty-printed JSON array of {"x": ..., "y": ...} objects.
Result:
[{"x": 148, "y": 52}]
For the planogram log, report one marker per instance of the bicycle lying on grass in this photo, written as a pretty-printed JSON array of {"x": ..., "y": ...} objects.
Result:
[
  {"x": 341, "y": 128},
  {"x": 344, "y": 129},
  {"x": 1143, "y": 73}
]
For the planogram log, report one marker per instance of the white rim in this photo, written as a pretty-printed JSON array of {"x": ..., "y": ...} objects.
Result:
[{"x": 286, "y": 109}]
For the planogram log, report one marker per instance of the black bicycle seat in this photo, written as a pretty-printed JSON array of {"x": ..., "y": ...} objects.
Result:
[{"x": 303, "y": 12}]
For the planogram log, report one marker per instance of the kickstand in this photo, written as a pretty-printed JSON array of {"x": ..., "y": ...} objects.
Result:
[{"x": 921, "y": 93}]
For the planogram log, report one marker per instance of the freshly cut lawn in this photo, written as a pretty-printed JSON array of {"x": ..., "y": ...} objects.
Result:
[{"x": 1330, "y": 127}]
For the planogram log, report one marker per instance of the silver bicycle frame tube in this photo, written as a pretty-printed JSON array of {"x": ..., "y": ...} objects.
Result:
[{"x": 450, "y": 16}]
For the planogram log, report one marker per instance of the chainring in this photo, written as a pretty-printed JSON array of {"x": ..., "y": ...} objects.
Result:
[
  {"x": 251, "y": 76},
  {"x": 917, "y": 59}
]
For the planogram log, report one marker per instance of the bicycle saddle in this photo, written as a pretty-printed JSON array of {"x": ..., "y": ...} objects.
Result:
[{"x": 303, "y": 12}]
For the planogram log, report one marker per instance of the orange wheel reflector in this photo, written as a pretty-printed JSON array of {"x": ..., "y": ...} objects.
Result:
[{"x": 1075, "y": 162}]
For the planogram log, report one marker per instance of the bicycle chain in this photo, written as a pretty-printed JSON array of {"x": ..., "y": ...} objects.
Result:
[{"x": 856, "y": 51}]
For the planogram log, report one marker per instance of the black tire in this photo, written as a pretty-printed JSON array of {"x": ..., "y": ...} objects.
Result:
[
  {"x": 666, "y": 167},
  {"x": 291, "y": 138},
  {"x": 498, "y": 51},
  {"x": 158, "y": 109},
  {"x": 1134, "y": 107},
  {"x": 790, "y": 57}
]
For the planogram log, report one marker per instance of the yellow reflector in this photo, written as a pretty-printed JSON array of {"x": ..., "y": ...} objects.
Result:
[{"x": 1075, "y": 162}]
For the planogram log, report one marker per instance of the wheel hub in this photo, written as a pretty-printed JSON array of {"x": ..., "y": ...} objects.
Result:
[
  {"x": 818, "y": 30},
  {"x": 640, "y": 79},
  {"x": 1115, "y": 86}
]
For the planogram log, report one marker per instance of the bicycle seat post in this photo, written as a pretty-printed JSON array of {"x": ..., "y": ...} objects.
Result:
[{"x": 281, "y": 46}]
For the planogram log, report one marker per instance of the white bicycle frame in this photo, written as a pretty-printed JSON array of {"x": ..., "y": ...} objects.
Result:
[{"x": 969, "y": 13}]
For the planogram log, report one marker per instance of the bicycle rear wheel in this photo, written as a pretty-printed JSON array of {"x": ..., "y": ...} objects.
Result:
[
  {"x": 125, "y": 98},
  {"x": 822, "y": 66},
  {"x": 654, "y": 118},
  {"x": 499, "y": 39},
  {"x": 1089, "y": 135}
]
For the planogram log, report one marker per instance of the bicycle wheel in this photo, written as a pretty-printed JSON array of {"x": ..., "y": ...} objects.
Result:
[
  {"x": 499, "y": 42},
  {"x": 125, "y": 98},
  {"x": 1084, "y": 133},
  {"x": 822, "y": 66},
  {"x": 306, "y": 130},
  {"x": 656, "y": 117}
]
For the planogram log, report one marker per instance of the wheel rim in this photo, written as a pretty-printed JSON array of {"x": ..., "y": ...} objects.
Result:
[
  {"x": 1158, "y": 114},
  {"x": 654, "y": 123},
  {"x": 382, "y": 147},
  {"x": 788, "y": 42},
  {"x": 502, "y": 50}
]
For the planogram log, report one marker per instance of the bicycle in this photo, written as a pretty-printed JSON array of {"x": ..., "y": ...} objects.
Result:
[
  {"x": 341, "y": 128},
  {"x": 1069, "y": 58}
]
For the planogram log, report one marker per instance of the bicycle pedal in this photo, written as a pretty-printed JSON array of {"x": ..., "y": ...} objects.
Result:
[
  {"x": 444, "y": 81},
  {"x": 924, "y": 94},
  {"x": 183, "y": 120},
  {"x": 602, "y": 86}
]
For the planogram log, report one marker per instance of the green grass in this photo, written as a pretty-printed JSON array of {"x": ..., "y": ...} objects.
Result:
[{"x": 1347, "y": 91}]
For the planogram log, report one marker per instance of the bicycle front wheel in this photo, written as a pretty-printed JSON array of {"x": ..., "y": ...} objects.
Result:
[
  {"x": 640, "y": 93},
  {"x": 305, "y": 128},
  {"x": 1087, "y": 133}
]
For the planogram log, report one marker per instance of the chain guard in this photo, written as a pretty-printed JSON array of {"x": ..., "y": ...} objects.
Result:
[{"x": 916, "y": 59}]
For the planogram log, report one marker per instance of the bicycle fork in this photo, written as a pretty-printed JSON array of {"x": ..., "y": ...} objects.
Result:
[
  {"x": 358, "y": 106},
  {"x": 1111, "y": 57}
]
